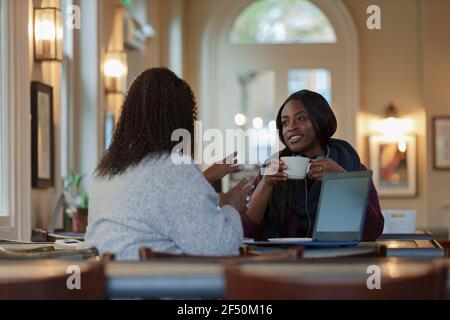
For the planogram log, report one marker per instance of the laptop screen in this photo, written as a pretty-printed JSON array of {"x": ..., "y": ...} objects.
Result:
[{"x": 343, "y": 202}]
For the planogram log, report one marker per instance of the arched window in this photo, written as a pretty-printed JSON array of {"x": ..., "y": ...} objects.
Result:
[{"x": 282, "y": 21}]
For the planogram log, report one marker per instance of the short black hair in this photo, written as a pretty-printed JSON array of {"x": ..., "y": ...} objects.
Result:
[
  {"x": 157, "y": 103},
  {"x": 319, "y": 111}
]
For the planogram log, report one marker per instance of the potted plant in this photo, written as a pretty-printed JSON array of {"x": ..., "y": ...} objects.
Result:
[{"x": 75, "y": 204}]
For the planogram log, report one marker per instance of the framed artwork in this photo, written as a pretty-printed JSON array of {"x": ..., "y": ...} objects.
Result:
[
  {"x": 42, "y": 148},
  {"x": 394, "y": 165},
  {"x": 441, "y": 143}
]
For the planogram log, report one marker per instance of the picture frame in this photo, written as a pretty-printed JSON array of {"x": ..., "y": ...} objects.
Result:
[
  {"x": 441, "y": 143},
  {"x": 42, "y": 135},
  {"x": 394, "y": 165}
]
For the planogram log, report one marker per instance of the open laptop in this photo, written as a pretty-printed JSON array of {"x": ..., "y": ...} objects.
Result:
[{"x": 341, "y": 211}]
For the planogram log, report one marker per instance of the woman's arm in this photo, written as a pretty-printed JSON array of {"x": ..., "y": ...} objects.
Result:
[
  {"x": 260, "y": 199},
  {"x": 261, "y": 195},
  {"x": 195, "y": 222},
  {"x": 220, "y": 169},
  {"x": 374, "y": 225}
]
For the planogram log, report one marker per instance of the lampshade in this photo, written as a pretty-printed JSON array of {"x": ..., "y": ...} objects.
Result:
[
  {"x": 48, "y": 34},
  {"x": 392, "y": 126},
  {"x": 115, "y": 71}
]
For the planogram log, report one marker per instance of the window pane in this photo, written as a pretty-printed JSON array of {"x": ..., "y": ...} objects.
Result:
[
  {"x": 3, "y": 114},
  {"x": 282, "y": 21},
  {"x": 257, "y": 112},
  {"x": 66, "y": 92},
  {"x": 318, "y": 80}
]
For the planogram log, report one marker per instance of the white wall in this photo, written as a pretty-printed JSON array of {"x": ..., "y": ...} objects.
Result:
[{"x": 435, "y": 67}]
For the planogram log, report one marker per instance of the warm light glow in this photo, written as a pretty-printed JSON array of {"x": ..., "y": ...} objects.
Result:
[
  {"x": 59, "y": 33},
  {"x": 394, "y": 128},
  {"x": 402, "y": 146},
  {"x": 272, "y": 125},
  {"x": 258, "y": 123},
  {"x": 115, "y": 72},
  {"x": 114, "y": 68},
  {"x": 48, "y": 34},
  {"x": 240, "y": 119},
  {"x": 45, "y": 30}
]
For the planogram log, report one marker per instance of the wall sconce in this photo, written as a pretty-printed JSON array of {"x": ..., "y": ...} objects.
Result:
[
  {"x": 393, "y": 127},
  {"x": 48, "y": 34},
  {"x": 115, "y": 71}
]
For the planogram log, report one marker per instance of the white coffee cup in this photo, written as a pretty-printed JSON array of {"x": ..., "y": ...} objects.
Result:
[{"x": 297, "y": 167}]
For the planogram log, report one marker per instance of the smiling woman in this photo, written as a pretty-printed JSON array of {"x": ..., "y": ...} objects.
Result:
[{"x": 287, "y": 208}]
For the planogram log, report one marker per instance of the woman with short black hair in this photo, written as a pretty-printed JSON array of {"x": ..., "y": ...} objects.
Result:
[{"x": 279, "y": 207}]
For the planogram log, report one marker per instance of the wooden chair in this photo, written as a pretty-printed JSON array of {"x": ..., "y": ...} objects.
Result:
[
  {"x": 47, "y": 280},
  {"x": 108, "y": 256},
  {"x": 446, "y": 246},
  {"x": 243, "y": 285},
  {"x": 289, "y": 254}
]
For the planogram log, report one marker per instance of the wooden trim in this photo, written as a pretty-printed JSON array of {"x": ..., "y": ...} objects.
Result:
[
  {"x": 37, "y": 182},
  {"x": 19, "y": 170},
  {"x": 433, "y": 137}
]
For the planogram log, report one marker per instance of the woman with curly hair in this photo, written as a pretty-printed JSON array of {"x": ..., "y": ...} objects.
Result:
[{"x": 141, "y": 197}]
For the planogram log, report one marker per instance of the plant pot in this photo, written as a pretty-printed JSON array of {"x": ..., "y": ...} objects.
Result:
[
  {"x": 67, "y": 221},
  {"x": 79, "y": 220}
]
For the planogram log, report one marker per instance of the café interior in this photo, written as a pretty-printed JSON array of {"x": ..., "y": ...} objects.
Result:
[{"x": 382, "y": 65}]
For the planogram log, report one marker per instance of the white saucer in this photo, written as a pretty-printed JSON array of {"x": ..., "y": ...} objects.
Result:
[{"x": 290, "y": 240}]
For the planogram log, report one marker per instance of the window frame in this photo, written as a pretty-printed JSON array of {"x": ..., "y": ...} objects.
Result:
[
  {"x": 17, "y": 152},
  {"x": 4, "y": 116},
  {"x": 255, "y": 42}
]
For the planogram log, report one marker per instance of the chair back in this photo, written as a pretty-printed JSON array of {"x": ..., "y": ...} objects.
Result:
[
  {"x": 243, "y": 285},
  {"x": 289, "y": 254},
  {"x": 55, "y": 280}
]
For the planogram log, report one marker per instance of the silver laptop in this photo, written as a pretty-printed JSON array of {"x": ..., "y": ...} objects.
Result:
[
  {"x": 341, "y": 211},
  {"x": 342, "y": 206}
]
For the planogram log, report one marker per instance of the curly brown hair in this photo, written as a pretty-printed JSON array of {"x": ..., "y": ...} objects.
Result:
[{"x": 157, "y": 103}]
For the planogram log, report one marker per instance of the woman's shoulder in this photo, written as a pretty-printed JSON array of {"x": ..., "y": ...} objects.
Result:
[
  {"x": 169, "y": 165},
  {"x": 342, "y": 143}
]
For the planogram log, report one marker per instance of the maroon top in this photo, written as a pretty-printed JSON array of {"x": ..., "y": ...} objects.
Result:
[{"x": 373, "y": 226}]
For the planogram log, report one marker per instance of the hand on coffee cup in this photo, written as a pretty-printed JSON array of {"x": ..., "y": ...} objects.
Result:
[
  {"x": 297, "y": 167},
  {"x": 321, "y": 167},
  {"x": 273, "y": 171}
]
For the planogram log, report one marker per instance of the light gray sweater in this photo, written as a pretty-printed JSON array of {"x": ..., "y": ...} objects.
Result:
[{"x": 165, "y": 206}]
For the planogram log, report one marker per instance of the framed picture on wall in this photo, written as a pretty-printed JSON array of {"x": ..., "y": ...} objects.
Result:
[
  {"x": 441, "y": 143},
  {"x": 394, "y": 165},
  {"x": 42, "y": 152}
]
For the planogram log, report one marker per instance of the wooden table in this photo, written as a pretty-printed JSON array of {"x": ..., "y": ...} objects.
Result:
[{"x": 416, "y": 249}]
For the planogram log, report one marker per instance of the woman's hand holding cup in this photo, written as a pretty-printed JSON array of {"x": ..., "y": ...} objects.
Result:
[
  {"x": 273, "y": 172},
  {"x": 319, "y": 168}
]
